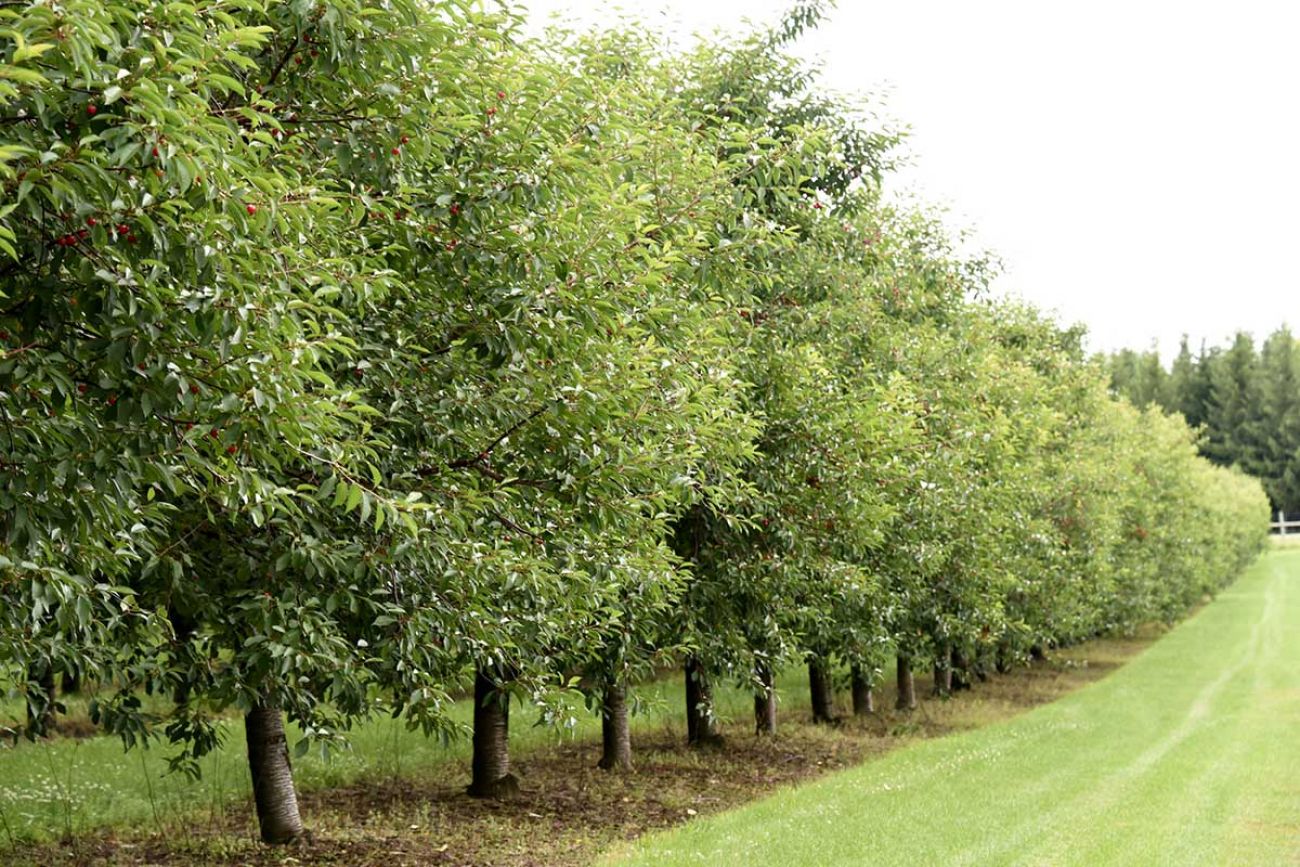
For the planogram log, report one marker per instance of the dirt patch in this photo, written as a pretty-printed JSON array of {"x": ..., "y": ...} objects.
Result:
[{"x": 568, "y": 811}]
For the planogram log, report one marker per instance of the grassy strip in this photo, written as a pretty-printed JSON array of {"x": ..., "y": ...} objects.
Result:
[
  {"x": 1185, "y": 757},
  {"x": 65, "y": 787},
  {"x": 397, "y": 797}
]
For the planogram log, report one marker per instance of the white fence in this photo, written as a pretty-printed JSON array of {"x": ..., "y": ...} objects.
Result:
[{"x": 1282, "y": 526}]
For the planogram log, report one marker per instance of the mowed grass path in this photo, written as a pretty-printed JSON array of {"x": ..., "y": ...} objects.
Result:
[{"x": 1190, "y": 754}]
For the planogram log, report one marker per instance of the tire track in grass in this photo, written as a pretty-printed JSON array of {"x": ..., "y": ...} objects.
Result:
[
  {"x": 1035, "y": 840},
  {"x": 1205, "y": 728},
  {"x": 1178, "y": 758}
]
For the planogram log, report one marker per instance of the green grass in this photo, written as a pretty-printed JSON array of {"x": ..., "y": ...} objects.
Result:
[
  {"x": 1190, "y": 754},
  {"x": 68, "y": 786}
]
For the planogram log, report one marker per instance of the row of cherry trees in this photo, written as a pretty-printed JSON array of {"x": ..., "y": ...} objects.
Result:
[{"x": 354, "y": 357}]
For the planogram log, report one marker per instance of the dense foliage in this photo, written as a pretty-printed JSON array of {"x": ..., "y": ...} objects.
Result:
[
  {"x": 1244, "y": 399},
  {"x": 355, "y": 357}
]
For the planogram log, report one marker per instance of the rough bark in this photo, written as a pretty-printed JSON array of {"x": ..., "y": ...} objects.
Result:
[
  {"x": 864, "y": 702},
  {"x": 490, "y": 775},
  {"x": 906, "y": 685},
  {"x": 764, "y": 702},
  {"x": 700, "y": 730},
  {"x": 616, "y": 735},
  {"x": 268, "y": 763},
  {"x": 41, "y": 707},
  {"x": 819, "y": 685}
]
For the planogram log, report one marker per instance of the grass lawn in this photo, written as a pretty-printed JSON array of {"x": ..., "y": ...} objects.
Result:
[{"x": 1187, "y": 755}]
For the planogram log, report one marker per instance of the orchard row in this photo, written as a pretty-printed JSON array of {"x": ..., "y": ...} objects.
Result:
[{"x": 351, "y": 358}]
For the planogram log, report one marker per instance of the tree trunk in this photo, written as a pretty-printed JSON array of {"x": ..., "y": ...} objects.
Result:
[
  {"x": 863, "y": 701},
  {"x": 71, "y": 684},
  {"x": 1003, "y": 661},
  {"x": 980, "y": 668},
  {"x": 268, "y": 762},
  {"x": 819, "y": 684},
  {"x": 616, "y": 736},
  {"x": 764, "y": 702},
  {"x": 183, "y": 627},
  {"x": 1036, "y": 653},
  {"x": 961, "y": 673},
  {"x": 41, "y": 705},
  {"x": 490, "y": 766},
  {"x": 700, "y": 729},
  {"x": 906, "y": 685},
  {"x": 942, "y": 674}
]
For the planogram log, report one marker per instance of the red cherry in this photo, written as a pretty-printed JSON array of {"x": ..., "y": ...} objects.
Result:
[
  {"x": 92, "y": 109},
  {"x": 455, "y": 209},
  {"x": 817, "y": 205},
  {"x": 357, "y": 372},
  {"x": 189, "y": 425},
  {"x": 155, "y": 151},
  {"x": 141, "y": 366},
  {"x": 397, "y": 151},
  {"x": 492, "y": 109},
  {"x": 91, "y": 221},
  {"x": 123, "y": 228},
  {"x": 82, "y": 388},
  {"x": 405, "y": 139},
  {"x": 131, "y": 239},
  {"x": 214, "y": 433},
  {"x": 501, "y": 94},
  {"x": 230, "y": 450},
  {"x": 251, "y": 209},
  {"x": 194, "y": 389},
  {"x": 112, "y": 399}
]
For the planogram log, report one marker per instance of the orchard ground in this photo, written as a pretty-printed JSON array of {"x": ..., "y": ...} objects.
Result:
[
  {"x": 1185, "y": 756},
  {"x": 398, "y": 798}
]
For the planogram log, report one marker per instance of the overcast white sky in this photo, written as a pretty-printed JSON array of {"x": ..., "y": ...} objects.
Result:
[{"x": 1135, "y": 164}]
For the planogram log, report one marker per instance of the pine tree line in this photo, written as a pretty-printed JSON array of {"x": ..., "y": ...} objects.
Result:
[{"x": 1245, "y": 399}]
